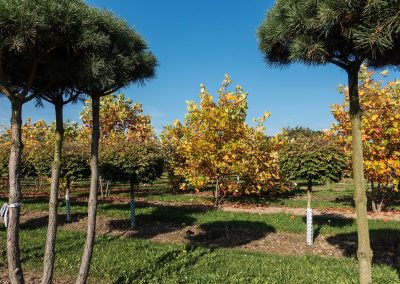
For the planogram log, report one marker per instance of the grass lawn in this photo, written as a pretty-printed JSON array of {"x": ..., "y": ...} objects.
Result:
[
  {"x": 190, "y": 215},
  {"x": 122, "y": 260},
  {"x": 133, "y": 260}
]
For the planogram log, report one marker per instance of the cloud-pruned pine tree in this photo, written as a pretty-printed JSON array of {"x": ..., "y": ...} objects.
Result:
[
  {"x": 347, "y": 34},
  {"x": 115, "y": 56},
  {"x": 34, "y": 36}
]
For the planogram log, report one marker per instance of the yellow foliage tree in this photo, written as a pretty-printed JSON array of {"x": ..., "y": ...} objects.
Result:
[
  {"x": 381, "y": 133},
  {"x": 215, "y": 146}
]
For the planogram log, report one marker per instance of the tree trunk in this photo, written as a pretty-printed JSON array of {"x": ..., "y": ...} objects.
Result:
[
  {"x": 67, "y": 200},
  {"x": 49, "y": 254},
  {"x": 377, "y": 199},
  {"x": 92, "y": 204},
  {"x": 15, "y": 195},
  {"x": 101, "y": 186},
  {"x": 132, "y": 204},
  {"x": 216, "y": 194},
  {"x": 364, "y": 252},
  {"x": 309, "y": 216},
  {"x": 107, "y": 188},
  {"x": 373, "y": 205},
  {"x": 373, "y": 201},
  {"x": 379, "y": 207}
]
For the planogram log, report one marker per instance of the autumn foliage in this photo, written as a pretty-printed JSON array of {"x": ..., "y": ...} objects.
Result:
[
  {"x": 214, "y": 146},
  {"x": 380, "y": 102}
]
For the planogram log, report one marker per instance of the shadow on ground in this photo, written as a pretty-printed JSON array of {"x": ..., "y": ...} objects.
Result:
[
  {"x": 385, "y": 244},
  {"x": 167, "y": 219},
  {"x": 229, "y": 233},
  {"x": 331, "y": 220},
  {"x": 40, "y": 222},
  {"x": 157, "y": 220}
]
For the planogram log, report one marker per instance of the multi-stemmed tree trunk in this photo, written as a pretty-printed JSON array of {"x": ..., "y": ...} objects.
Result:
[
  {"x": 364, "y": 252},
  {"x": 94, "y": 184},
  {"x": 376, "y": 198},
  {"x": 309, "y": 215},
  {"x": 15, "y": 195},
  {"x": 49, "y": 255}
]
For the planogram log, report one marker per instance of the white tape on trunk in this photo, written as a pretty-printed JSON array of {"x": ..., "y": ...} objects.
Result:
[
  {"x": 4, "y": 211},
  {"x": 310, "y": 237}
]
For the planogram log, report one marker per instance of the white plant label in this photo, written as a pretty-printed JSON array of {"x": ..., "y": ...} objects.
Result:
[{"x": 310, "y": 237}]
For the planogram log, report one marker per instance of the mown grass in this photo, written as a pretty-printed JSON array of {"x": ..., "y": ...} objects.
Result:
[
  {"x": 200, "y": 215},
  {"x": 129, "y": 260}
]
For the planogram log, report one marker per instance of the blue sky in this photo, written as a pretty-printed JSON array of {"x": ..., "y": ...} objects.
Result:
[{"x": 200, "y": 41}]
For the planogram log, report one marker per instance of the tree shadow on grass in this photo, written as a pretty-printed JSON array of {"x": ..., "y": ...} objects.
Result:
[
  {"x": 345, "y": 200},
  {"x": 41, "y": 222},
  {"x": 385, "y": 244},
  {"x": 328, "y": 220},
  {"x": 156, "y": 220},
  {"x": 229, "y": 233}
]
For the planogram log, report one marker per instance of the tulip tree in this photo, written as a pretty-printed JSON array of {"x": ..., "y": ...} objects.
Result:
[
  {"x": 380, "y": 134},
  {"x": 347, "y": 34},
  {"x": 119, "y": 57},
  {"x": 215, "y": 146},
  {"x": 170, "y": 139},
  {"x": 311, "y": 158}
]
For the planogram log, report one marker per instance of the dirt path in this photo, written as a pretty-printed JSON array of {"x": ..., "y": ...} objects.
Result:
[{"x": 342, "y": 213}]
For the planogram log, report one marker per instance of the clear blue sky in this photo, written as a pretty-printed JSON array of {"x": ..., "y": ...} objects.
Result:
[{"x": 200, "y": 41}]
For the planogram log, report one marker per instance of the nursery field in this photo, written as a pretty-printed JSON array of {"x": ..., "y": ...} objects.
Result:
[{"x": 182, "y": 238}]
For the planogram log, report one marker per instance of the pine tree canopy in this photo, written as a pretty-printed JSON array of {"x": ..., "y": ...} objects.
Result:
[
  {"x": 114, "y": 55},
  {"x": 54, "y": 44},
  {"x": 35, "y": 36},
  {"x": 331, "y": 31}
]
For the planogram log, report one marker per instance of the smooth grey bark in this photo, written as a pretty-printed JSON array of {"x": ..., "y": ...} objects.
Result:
[
  {"x": 49, "y": 254},
  {"x": 15, "y": 195},
  {"x": 364, "y": 252},
  {"x": 94, "y": 184}
]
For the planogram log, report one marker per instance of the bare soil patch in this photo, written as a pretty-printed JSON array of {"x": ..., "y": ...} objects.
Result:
[{"x": 32, "y": 277}]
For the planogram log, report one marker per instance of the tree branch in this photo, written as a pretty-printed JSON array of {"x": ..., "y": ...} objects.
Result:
[
  {"x": 339, "y": 62},
  {"x": 72, "y": 98},
  {"x": 30, "y": 80}
]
